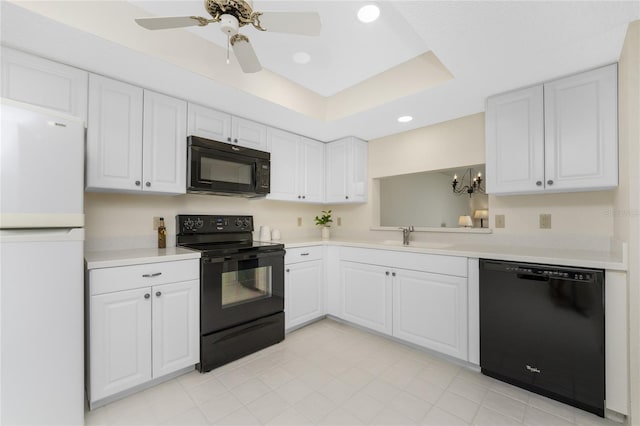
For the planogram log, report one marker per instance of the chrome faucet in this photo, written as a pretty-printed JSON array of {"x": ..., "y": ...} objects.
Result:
[{"x": 405, "y": 234}]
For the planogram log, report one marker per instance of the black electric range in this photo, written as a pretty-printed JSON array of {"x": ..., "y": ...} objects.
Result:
[{"x": 241, "y": 286}]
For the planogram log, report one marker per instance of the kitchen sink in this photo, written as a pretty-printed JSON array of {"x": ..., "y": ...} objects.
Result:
[{"x": 420, "y": 244}]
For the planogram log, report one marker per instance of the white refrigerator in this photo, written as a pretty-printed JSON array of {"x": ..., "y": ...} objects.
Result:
[{"x": 41, "y": 266}]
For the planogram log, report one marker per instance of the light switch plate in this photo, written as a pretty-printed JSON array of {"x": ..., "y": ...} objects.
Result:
[
  {"x": 499, "y": 221},
  {"x": 299, "y": 221},
  {"x": 339, "y": 221},
  {"x": 545, "y": 221}
]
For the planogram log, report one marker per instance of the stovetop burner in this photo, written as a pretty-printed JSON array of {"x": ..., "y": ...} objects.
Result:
[{"x": 219, "y": 234}]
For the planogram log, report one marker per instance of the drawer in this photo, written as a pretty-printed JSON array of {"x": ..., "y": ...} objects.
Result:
[
  {"x": 303, "y": 254},
  {"x": 107, "y": 280},
  {"x": 433, "y": 263}
]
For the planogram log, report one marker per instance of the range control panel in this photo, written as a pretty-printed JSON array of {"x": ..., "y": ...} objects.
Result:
[{"x": 211, "y": 224}]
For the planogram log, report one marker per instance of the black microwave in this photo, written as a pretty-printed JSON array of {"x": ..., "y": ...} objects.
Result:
[{"x": 223, "y": 169}]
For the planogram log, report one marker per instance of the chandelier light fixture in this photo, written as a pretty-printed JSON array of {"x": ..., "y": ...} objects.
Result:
[{"x": 475, "y": 183}]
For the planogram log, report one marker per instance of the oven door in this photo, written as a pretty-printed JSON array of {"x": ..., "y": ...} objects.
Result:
[
  {"x": 240, "y": 288},
  {"x": 216, "y": 171}
]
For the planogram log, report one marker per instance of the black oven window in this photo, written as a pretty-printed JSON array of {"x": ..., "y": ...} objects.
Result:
[
  {"x": 245, "y": 286},
  {"x": 215, "y": 170}
]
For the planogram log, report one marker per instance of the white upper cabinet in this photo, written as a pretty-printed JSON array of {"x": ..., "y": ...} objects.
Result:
[
  {"x": 164, "y": 165},
  {"x": 346, "y": 171},
  {"x": 581, "y": 131},
  {"x": 515, "y": 142},
  {"x": 208, "y": 123},
  {"x": 558, "y": 137},
  {"x": 249, "y": 134},
  {"x": 38, "y": 81},
  {"x": 124, "y": 155},
  {"x": 219, "y": 126},
  {"x": 114, "y": 135},
  {"x": 297, "y": 167}
]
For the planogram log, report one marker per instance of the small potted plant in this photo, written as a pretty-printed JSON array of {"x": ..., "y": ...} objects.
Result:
[{"x": 324, "y": 220}]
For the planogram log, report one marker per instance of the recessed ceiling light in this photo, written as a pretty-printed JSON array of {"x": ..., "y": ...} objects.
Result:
[
  {"x": 405, "y": 119},
  {"x": 368, "y": 13},
  {"x": 301, "y": 58}
]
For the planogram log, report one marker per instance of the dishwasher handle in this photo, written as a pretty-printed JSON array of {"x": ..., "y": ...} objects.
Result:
[{"x": 533, "y": 277}]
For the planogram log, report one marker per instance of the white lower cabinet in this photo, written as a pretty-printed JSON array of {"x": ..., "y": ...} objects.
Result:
[
  {"x": 425, "y": 305},
  {"x": 430, "y": 310},
  {"x": 366, "y": 296},
  {"x": 304, "y": 286},
  {"x": 120, "y": 341},
  {"x": 143, "y": 324}
]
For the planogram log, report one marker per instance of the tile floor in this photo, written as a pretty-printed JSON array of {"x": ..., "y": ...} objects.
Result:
[{"x": 329, "y": 373}]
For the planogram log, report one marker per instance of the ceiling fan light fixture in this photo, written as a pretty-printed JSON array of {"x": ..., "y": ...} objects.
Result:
[
  {"x": 301, "y": 58},
  {"x": 405, "y": 119},
  {"x": 368, "y": 13}
]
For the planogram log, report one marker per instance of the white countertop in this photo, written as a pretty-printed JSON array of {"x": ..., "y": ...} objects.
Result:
[
  {"x": 112, "y": 258},
  {"x": 578, "y": 258},
  {"x": 551, "y": 256}
]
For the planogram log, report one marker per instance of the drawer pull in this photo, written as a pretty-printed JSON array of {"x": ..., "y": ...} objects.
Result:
[
  {"x": 304, "y": 254},
  {"x": 146, "y": 296},
  {"x": 158, "y": 293},
  {"x": 152, "y": 275}
]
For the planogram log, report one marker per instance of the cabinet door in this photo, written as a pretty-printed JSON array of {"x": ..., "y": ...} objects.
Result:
[
  {"x": 336, "y": 163},
  {"x": 303, "y": 292},
  {"x": 164, "y": 144},
  {"x": 430, "y": 310},
  {"x": 366, "y": 296},
  {"x": 30, "y": 79},
  {"x": 209, "y": 123},
  {"x": 515, "y": 142},
  {"x": 285, "y": 165},
  {"x": 176, "y": 326},
  {"x": 120, "y": 341},
  {"x": 581, "y": 131},
  {"x": 358, "y": 175},
  {"x": 312, "y": 170},
  {"x": 249, "y": 134},
  {"x": 114, "y": 135}
]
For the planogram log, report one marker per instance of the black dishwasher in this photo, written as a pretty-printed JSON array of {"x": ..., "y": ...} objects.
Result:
[{"x": 542, "y": 329}]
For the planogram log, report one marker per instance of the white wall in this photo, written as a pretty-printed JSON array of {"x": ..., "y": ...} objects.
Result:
[
  {"x": 117, "y": 221},
  {"x": 460, "y": 142}
]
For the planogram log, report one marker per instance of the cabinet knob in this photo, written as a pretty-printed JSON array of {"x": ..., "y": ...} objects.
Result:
[
  {"x": 387, "y": 273},
  {"x": 299, "y": 197},
  {"x": 137, "y": 183},
  {"x": 549, "y": 182},
  {"x": 304, "y": 197},
  {"x": 228, "y": 139},
  {"x": 148, "y": 184},
  {"x": 539, "y": 183},
  {"x": 346, "y": 197},
  {"x": 393, "y": 274},
  {"x": 158, "y": 293},
  {"x": 236, "y": 140},
  {"x": 288, "y": 270},
  {"x": 147, "y": 295}
]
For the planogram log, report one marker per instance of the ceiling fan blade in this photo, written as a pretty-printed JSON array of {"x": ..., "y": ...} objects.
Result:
[
  {"x": 245, "y": 54},
  {"x": 167, "y": 22},
  {"x": 304, "y": 23}
]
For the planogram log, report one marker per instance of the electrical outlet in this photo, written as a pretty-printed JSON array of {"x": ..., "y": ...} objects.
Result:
[
  {"x": 156, "y": 222},
  {"x": 545, "y": 221},
  {"x": 299, "y": 221},
  {"x": 339, "y": 221},
  {"x": 499, "y": 221}
]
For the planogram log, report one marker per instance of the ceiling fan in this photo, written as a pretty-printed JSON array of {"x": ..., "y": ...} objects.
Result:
[{"x": 233, "y": 14}]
